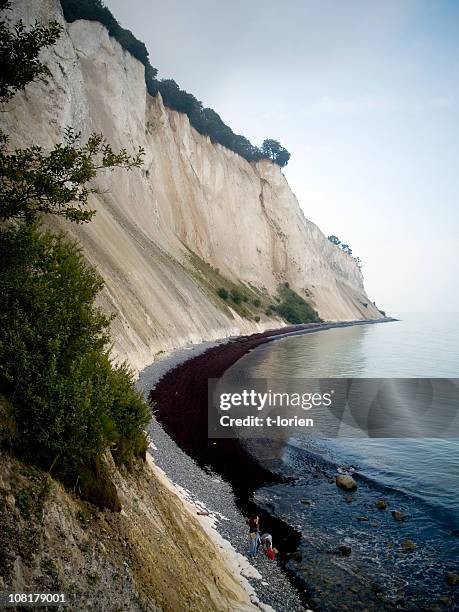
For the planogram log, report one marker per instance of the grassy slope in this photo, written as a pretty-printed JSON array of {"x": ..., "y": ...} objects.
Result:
[{"x": 153, "y": 555}]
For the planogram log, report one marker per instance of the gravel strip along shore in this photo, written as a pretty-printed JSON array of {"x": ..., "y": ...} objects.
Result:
[{"x": 200, "y": 485}]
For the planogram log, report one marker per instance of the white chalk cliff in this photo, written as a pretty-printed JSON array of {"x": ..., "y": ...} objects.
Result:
[{"x": 192, "y": 199}]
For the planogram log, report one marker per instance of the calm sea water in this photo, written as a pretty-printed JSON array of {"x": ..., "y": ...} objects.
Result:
[{"x": 417, "y": 476}]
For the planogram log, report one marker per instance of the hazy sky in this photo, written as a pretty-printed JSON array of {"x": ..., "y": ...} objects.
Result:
[{"x": 364, "y": 94}]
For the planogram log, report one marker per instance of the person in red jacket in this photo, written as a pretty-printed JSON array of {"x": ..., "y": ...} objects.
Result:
[{"x": 267, "y": 543}]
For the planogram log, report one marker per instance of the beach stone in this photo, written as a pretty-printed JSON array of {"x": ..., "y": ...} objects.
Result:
[
  {"x": 398, "y": 516},
  {"x": 445, "y": 601},
  {"x": 407, "y": 544},
  {"x": 381, "y": 504},
  {"x": 451, "y": 578},
  {"x": 345, "y": 482},
  {"x": 344, "y": 551}
]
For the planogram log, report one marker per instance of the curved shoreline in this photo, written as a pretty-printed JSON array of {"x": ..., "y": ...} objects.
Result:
[
  {"x": 186, "y": 385},
  {"x": 181, "y": 408}
]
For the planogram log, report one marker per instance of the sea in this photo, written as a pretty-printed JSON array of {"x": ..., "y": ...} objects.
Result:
[{"x": 405, "y": 560}]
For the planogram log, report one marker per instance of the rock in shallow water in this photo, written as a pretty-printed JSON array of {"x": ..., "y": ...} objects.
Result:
[
  {"x": 345, "y": 482},
  {"x": 451, "y": 578},
  {"x": 381, "y": 504},
  {"x": 398, "y": 516}
]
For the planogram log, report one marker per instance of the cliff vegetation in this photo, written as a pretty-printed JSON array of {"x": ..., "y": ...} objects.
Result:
[
  {"x": 65, "y": 405},
  {"x": 205, "y": 120}
]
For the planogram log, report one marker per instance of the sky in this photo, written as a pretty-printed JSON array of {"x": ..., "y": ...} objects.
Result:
[{"x": 363, "y": 93}]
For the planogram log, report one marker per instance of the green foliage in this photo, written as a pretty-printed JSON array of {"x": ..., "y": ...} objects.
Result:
[
  {"x": 21, "y": 534},
  {"x": 272, "y": 149},
  {"x": 23, "y": 500},
  {"x": 95, "y": 10},
  {"x": 69, "y": 402},
  {"x": 345, "y": 248},
  {"x": 209, "y": 123},
  {"x": 257, "y": 302},
  {"x": 257, "y": 319},
  {"x": 334, "y": 240},
  {"x": 205, "y": 120},
  {"x": 236, "y": 295},
  {"x": 19, "y": 50},
  {"x": 63, "y": 404},
  {"x": 34, "y": 182},
  {"x": 293, "y": 308},
  {"x": 95, "y": 484},
  {"x": 223, "y": 293}
]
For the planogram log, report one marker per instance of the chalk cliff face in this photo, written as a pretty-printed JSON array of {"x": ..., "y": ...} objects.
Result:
[{"x": 193, "y": 203}]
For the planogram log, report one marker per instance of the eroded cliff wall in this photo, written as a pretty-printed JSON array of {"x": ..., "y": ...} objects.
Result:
[{"x": 164, "y": 235}]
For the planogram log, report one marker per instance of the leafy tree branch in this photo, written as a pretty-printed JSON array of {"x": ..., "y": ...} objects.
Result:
[{"x": 57, "y": 182}]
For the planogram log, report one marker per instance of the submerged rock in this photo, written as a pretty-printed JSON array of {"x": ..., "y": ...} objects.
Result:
[
  {"x": 344, "y": 551},
  {"x": 345, "y": 482},
  {"x": 307, "y": 502},
  {"x": 398, "y": 516},
  {"x": 407, "y": 544},
  {"x": 445, "y": 601},
  {"x": 451, "y": 578}
]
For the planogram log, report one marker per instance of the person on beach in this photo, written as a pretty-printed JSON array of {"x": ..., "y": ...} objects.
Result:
[
  {"x": 267, "y": 544},
  {"x": 254, "y": 534}
]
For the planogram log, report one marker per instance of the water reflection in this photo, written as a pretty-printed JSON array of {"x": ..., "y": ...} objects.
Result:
[{"x": 318, "y": 355}]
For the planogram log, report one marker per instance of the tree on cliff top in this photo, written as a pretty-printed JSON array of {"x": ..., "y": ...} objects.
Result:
[
  {"x": 272, "y": 149},
  {"x": 334, "y": 240},
  {"x": 205, "y": 120}
]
